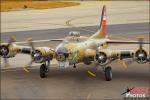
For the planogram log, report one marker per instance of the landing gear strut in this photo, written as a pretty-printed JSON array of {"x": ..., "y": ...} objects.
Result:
[
  {"x": 108, "y": 73},
  {"x": 44, "y": 69},
  {"x": 74, "y": 65}
]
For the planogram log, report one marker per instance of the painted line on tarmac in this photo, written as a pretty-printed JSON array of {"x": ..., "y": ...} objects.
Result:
[{"x": 91, "y": 73}]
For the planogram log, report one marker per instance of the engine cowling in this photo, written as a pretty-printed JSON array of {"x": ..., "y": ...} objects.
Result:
[
  {"x": 42, "y": 54},
  {"x": 102, "y": 58},
  {"x": 7, "y": 51},
  {"x": 105, "y": 56},
  {"x": 141, "y": 56}
]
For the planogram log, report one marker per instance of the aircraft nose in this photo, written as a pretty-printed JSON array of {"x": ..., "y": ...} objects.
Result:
[{"x": 62, "y": 53}]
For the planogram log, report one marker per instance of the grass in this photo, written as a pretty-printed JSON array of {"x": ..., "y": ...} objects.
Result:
[{"x": 13, "y": 5}]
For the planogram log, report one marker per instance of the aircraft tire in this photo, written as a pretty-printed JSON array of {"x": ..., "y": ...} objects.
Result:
[
  {"x": 43, "y": 71},
  {"x": 108, "y": 73}
]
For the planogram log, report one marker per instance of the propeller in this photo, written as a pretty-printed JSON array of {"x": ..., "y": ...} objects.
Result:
[
  {"x": 101, "y": 58},
  {"x": 28, "y": 65},
  {"x": 29, "y": 41},
  {"x": 123, "y": 62},
  {"x": 4, "y": 50},
  {"x": 36, "y": 55},
  {"x": 141, "y": 54},
  {"x": 140, "y": 39},
  {"x": 126, "y": 63}
]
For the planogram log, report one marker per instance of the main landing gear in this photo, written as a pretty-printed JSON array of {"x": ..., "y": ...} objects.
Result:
[
  {"x": 74, "y": 65},
  {"x": 44, "y": 69},
  {"x": 108, "y": 73}
]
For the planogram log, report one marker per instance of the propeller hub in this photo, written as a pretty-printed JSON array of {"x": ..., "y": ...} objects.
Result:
[
  {"x": 4, "y": 51},
  {"x": 101, "y": 58},
  {"x": 37, "y": 56},
  {"x": 141, "y": 56}
]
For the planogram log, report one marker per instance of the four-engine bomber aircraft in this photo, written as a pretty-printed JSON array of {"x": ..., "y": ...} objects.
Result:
[{"x": 76, "y": 49}]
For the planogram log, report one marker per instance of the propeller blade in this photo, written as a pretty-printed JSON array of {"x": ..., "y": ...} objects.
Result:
[
  {"x": 119, "y": 59},
  {"x": 123, "y": 61},
  {"x": 124, "y": 64},
  {"x": 30, "y": 63},
  {"x": 129, "y": 62},
  {"x": 29, "y": 40},
  {"x": 140, "y": 39},
  {"x": 27, "y": 66},
  {"x": 6, "y": 63},
  {"x": 11, "y": 40}
]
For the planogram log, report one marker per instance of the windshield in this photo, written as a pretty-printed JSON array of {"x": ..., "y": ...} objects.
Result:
[{"x": 72, "y": 40}]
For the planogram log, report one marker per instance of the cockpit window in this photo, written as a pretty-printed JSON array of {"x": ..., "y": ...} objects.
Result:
[
  {"x": 72, "y": 39},
  {"x": 62, "y": 53}
]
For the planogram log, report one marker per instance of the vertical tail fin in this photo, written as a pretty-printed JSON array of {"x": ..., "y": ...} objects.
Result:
[{"x": 102, "y": 32}]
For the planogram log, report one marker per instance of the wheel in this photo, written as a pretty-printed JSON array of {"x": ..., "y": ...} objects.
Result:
[
  {"x": 108, "y": 74},
  {"x": 43, "y": 71}
]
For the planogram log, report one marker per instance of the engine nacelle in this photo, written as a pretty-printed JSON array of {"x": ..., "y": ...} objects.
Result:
[
  {"x": 105, "y": 56},
  {"x": 141, "y": 56},
  {"x": 42, "y": 54},
  {"x": 102, "y": 58},
  {"x": 7, "y": 51}
]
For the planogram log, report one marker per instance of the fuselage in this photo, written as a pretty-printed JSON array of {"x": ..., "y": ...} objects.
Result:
[{"x": 77, "y": 49}]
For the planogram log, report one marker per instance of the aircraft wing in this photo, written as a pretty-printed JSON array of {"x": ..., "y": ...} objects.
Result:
[
  {"x": 38, "y": 54},
  {"x": 105, "y": 55},
  {"x": 39, "y": 41},
  {"x": 125, "y": 42}
]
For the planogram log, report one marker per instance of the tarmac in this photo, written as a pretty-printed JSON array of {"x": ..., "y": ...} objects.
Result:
[
  {"x": 73, "y": 83},
  {"x": 86, "y": 14}
]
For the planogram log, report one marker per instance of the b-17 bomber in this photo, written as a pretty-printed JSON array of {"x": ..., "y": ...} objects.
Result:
[{"x": 76, "y": 49}]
